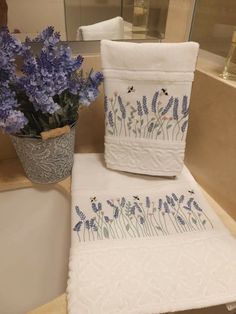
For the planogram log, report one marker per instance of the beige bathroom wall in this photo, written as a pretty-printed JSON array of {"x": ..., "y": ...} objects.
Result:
[
  {"x": 32, "y": 16},
  {"x": 211, "y": 141},
  {"x": 179, "y": 20}
]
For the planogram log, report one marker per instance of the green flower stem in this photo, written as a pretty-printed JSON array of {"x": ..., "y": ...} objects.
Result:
[
  {"x": 146, "y": 220},
  {"x": 159, "y": 216}
]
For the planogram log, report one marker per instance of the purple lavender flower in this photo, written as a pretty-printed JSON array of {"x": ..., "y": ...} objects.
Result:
[
  {"x": 150, "y": 127},
  {"x": 138, "y": 207},
  {"x": 13, "y": 122},
  {"x": 185, "y": 105},
  {"x": 181, "y": 199},
  {"x": 87, "y": 224},
  {"x": 148, "y": 202},
  {"x": 11, "y": 119},
  {"x": 105, "y": 104},
  {"x": 80, "y": 213},
  {"x": 94, "y": 207},
  {"x": 141, "y": 220},
  {"x": 175, "y": 109},
  {"x": 175, "y": 197},
  {"x": 106, "y": 218},
  {"x": 110, "y": 203},
  {"x": 77, "y": 227},
  {"x": 170, "y": 200},
  {"x": 154, "y": 102},
  {"x": 50, "y": 83},
  {"x": 110, "y": 119},
  {"x": 139, "y": 108},
  {"x": 180, "y": 220},
  {"x": 132, "y": 210},
  {"x": 122, "y": 107},
  {"x": 145, "y": 108},
  {"x": 123, "y": 201},
  {"x": 195, "y": 204},
  {"x": 166, "y": 207},
  {"x": 116, "y": 213},
  {"x": 159, "y": 203},
  {"x": 189, "y": 203},
  {"x": 168, "y": 106}
]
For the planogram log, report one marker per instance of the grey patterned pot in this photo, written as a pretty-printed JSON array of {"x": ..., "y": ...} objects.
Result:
[{"x": 47, "y": 161}]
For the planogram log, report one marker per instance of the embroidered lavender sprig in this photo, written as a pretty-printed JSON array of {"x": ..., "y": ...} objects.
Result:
[
  {"x": 175, "y": 197},
  {"x": 122, "y": 107},
  {"x": 139, "y": 108},
  {"x": 185, "y": 105},
  {"x": 145, "y": 108},
  {"x": 110, "y": 119},
  {"x": 170, "y": 200},
  {"x": 148, "y": 202},
  {"x": 168, "y": 106},
  {"x": 195, "y": 204},
  {"x": 105, "y": 104},
  {"x": 154, "y": 102},
  {"x": 166, "y": 207},
  {"x": 150, "y": 128},
  {"x": 77, "y": 227},
  {"x": 175, "y": 109},
  {"x": 80, "y": 213}
]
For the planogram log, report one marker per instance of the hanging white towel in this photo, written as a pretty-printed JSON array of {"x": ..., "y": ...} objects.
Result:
[
  {"x": 109, "y": 29},
  {"x": 142, "y": 245},
  {"x": 147, "y": 93}
]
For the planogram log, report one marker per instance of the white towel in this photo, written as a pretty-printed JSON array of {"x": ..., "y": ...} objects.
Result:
[
  {"x": 109, "y": 29},
  {"x": 142, "y": 245},
  {"x": 147, "y": 93}
]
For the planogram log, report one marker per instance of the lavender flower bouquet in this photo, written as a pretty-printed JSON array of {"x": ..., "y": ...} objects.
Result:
[{"x": 49, "y": 88}]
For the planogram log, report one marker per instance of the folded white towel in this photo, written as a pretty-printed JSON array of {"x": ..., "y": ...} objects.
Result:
[
  {"x": 147, "y": 92},
  {"x": 109, "y": 29},
  {"x": 142, "y": 245}
]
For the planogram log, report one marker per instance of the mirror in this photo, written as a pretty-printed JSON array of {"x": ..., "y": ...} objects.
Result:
[{"x": 85, "y": 20}]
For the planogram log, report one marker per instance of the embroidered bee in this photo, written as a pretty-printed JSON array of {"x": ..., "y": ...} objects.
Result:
[
  {"x": 93, "y": 199},
  {"x": 191, "y": 191},
  {"x": 136, "y": 197},
  {"x": 130, "y": 89},
  {"x": 164, "y": 91}
]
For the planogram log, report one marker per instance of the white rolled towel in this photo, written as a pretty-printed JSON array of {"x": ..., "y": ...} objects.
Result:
[
  {"x": 147, "y": 93},
  {"x": 109, "y": 29}
]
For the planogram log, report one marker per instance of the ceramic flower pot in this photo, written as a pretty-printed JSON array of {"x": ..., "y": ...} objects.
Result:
[{"x": 46, "y": 161}]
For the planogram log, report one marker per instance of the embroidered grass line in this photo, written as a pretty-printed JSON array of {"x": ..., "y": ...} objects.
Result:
[
  {"x": 136, "y": 217},
  {"x": 164, "y": 119}
]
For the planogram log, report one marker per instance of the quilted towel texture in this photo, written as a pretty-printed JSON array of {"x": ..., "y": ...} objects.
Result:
[
  {"x": 144, "y": 245},
  {"x": 147, "y": 93},
  {"x": 109, "y": 29}
]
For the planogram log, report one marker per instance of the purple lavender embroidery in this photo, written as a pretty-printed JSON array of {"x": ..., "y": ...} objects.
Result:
[
  {"x": 80, "y": 213},
  {"x": 175, "y": 109},
  {"x": 145, "y": 108},
  {"x": 139, "y": 108},
  {"x": 122, "y": 107},
  {"x": 154, "y": 102},
  {"x": 185, "y": 106},
  {"x": 110, "y": 119},
  {"x": 168, "y": 106}
]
